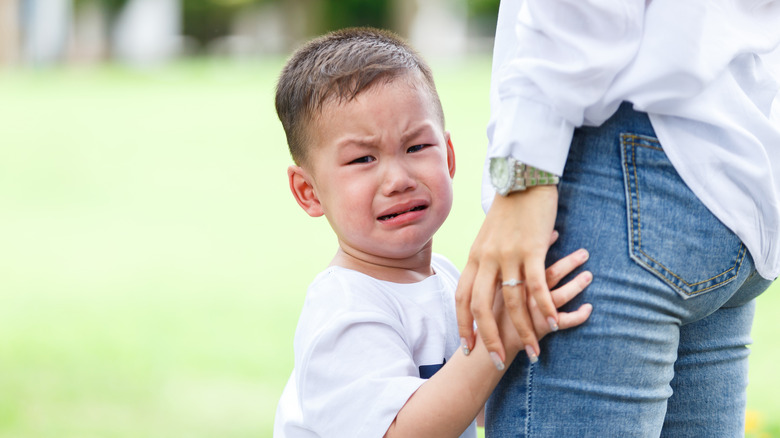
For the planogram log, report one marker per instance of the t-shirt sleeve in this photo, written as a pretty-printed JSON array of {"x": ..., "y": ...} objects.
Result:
[{"x": 355, "y": 375}]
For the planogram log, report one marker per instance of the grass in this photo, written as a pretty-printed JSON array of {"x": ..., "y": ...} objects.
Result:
[{"x": 153, "y": 263}]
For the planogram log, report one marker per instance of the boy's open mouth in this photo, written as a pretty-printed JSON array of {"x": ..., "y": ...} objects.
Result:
[{"x": 390, "y": 216}]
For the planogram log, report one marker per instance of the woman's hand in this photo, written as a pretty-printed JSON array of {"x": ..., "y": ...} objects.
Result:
[
  {"x": 512, "y": 244},
  {"x": 560, "y": 296}
]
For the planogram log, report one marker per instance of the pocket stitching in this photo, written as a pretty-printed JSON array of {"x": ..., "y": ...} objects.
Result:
[
  {"x": 737, "y": 265},
  {"x": 632, "y": 187}
]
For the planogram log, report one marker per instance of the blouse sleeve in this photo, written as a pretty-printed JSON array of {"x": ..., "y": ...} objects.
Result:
[{"x": 552, "y": 59}]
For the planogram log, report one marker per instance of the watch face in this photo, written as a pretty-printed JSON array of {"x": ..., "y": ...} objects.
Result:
[{"x": 499, "y": 173}]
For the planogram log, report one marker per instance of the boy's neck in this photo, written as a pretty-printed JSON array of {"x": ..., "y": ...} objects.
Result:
[{"x": 407, "y": 270}]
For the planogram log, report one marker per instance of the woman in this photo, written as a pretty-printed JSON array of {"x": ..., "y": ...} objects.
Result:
[{"x": 655, "y": 115}]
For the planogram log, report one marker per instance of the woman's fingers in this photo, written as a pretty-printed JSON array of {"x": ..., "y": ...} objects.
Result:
[
  {"x": 516, "y": 303},
  {"x": 536, "y": 284},
  {"x": 463, "y": 308},
  {"x": 482, "y": 299}
]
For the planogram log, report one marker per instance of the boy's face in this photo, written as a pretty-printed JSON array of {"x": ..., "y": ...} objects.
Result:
[{"x": 380, "y": 169}]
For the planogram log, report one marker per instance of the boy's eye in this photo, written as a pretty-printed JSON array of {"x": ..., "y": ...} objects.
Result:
[
  {"x": 416, "y": 148},
  {"x": 366, "y": 159}
]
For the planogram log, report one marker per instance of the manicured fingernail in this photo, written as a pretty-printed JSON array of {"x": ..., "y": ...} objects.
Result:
[
  {"x": 496, "y": 361},
  {"x": 532, "y": 357},
  {"x": 465, "y": 346},
  {"x": 553, "y": 324}
]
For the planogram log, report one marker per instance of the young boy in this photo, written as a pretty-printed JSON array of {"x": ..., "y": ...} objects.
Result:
[{"x": 365, "y": 128}]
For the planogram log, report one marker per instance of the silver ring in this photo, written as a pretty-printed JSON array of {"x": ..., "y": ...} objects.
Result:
[{"x": 512, "y": 282}]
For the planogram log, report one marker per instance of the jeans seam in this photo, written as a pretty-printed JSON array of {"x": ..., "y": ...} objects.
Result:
[{"x": 528, "y": 399}]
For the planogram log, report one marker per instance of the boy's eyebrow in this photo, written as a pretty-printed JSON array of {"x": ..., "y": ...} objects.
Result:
[
  {"x": 370, "y": 141},
  {"x": 416, "y": 132},
  {"x": 357, "y": 141}
]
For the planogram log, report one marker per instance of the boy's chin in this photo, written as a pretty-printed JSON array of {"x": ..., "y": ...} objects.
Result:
[
  {"x": 398, "y": 252},
  {"x": 406, "y": 252}
]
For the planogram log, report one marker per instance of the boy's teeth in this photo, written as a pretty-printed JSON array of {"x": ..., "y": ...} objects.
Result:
[{"x": 390, "y": 216}]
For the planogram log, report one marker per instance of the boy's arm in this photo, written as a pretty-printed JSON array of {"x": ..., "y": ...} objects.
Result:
[{"x": 448, "y": 402}]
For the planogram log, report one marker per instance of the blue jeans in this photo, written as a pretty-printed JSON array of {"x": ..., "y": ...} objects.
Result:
[{"x": 664, "y": 351}]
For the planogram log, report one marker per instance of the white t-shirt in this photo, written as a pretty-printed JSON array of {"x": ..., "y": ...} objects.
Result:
[
  {"x": 694, "y": 66},
  {"x": 362, "y": 347}
]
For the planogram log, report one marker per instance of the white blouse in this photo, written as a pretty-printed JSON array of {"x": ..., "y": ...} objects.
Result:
[{"x": 694, "y": 66}]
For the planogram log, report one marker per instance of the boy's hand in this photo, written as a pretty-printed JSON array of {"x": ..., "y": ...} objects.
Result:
[{"x": 438, "y": 407}]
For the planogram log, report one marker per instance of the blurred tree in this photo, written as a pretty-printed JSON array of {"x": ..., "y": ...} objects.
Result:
[
  {"x": 403, "y": 15},
  {"x": 482, "y": 16},
  {"x": 112, "y": 6},
  {"x": 338, "y": 14},
  {"x": 481, "y": 8},
  {"x": 205, "y": 20}
]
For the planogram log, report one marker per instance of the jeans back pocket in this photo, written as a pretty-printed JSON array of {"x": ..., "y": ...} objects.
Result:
[{"x": 671, "y": 233}]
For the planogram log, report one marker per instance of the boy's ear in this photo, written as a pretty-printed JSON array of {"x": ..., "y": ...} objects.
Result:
[
  {"x": 450, "y": 154},
  {"x": 303, "y": 191}
]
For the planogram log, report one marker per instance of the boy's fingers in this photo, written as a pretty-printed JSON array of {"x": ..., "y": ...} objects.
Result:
[
  {"x": 561, "y": 296},
  {"x": 565, "y": 266},
  {"x": 572, "y": 319},
  {"x": 463, "y": 308},
  {"x": 565, "y": 293},
  {"x": 554, "y": 237}
]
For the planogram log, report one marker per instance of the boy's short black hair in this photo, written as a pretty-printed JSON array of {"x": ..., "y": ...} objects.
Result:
[{"x": 340, "y": 65}]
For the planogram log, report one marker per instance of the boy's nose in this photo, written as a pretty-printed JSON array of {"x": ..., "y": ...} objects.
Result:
[{"x": 397, "y": 179}]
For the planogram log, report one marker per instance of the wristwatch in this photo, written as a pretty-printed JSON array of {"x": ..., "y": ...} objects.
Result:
[{"x": 509, "y": 175}]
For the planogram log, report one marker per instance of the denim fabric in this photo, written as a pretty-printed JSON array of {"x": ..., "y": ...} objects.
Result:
[{"x": 664, "y": 351}]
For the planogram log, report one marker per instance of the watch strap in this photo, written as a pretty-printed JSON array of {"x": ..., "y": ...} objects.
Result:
[{"x": 529, "y": 176}]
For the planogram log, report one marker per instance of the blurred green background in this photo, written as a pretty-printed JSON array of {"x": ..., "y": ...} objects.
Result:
[{"x": 152, "y": 261}]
